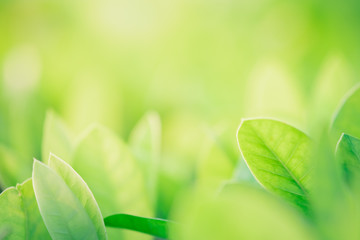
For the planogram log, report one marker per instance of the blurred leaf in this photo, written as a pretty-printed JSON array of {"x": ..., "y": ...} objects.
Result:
[
  {"x": 12, "y": 170},
  {"x": 145, "y": 143},
  {"x": 63, "y": 213},
  {"x": 93, "y": 87},
  {"x": 327, "y": 92},
  {"x": 111, "y": 172},
  {"x": 55, "y": 138},
  {"x": 80, "y": 189},
  {"x": 348, "y": 153},
  {"x": 20, "y": 215},
  {"x": 183, "y": 136},
  {"x": 218, "y": 164},
  {"x": 336, "y": 209},
  {"x": 347, "y": 117},
  {"x": 279, "y": 157},
  {"x": 214, "y": 166},
  {"x": 152, "y": 226},
  {"x": 239, "y": 212},
  {"x": 272, "y": 92}
]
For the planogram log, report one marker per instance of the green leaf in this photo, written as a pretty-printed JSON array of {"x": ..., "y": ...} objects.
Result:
[
  {"x": 347, "y": 117},
  {"x": 336, "y": 209},
  {"x": 108, "y": 167},
  {"x": 278, "y": 155},
  {"x": 20, "y": 217},
  {"x": 55, "y": 138},
  {"x": 145, "y": 143},
  {"x": 238, "y": 212},
  {"x": 63, "y": 213},
  {"x": 152, "y": 226},
  {"x": 81, "y": 191},
  {"x": 348, "y": 153}
]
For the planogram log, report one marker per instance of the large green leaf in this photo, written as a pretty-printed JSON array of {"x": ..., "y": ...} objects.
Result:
[
  {"x": 347, "y": 117},
  {"x": 278, "y": 155},
  {"x": 145, "y": 143},
  {"x": 239, "y": 212},
  {"x": 20, "y": 217},
  {"x": 81, "y": 191},
  {"x": 348, "y": 153},
  {"x": 113, "y": 175},
  {"x": 64, "y": 214},
  {"x": 55, "y": 138},
  {"x": 152, "y": 226}
]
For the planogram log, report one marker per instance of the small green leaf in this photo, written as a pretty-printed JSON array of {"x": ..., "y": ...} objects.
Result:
[
  {"x": 152, "y": 226},
  {"x": 20, "y": 217},
  {"x": 81, "y": 191},
  {"x": 114, "y": 176},
  {"x": 107, "y": 166},
  {"x": 348, "y": 153},
  {"x": 55, "y": 138},
  {"x": 63, "y": 213},
  {"x": 347, "y": 117},
  {"x": 278, "y": 155},
  {"x": 145, "y": 143}
]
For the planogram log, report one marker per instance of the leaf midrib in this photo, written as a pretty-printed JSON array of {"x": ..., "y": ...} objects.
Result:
[{"x": 282, "y": 163}]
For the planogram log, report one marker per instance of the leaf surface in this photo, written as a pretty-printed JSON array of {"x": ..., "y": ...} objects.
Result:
[
  {"x": 347, "y": 117},
  {"x": 152, "y": 226},
  {"x": 145, "y": 143},
  {"x": 114, "y": 176},
  {"x": 55, "y": 138},
  {"x": 278, "y": 155},
  {"x": 348, "y": 153},
  {"x": 63, "y": 213},
  {"x": 20, "y": 217},
  {"x": 80, "y": 189}
]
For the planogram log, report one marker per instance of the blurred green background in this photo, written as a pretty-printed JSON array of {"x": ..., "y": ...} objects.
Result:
[{"x": 202, "y": 65}]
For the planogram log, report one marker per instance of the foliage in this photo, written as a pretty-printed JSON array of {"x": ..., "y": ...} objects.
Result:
[
  {"x": 132, "y": 108},
  {"x": 117, "y": 180}
]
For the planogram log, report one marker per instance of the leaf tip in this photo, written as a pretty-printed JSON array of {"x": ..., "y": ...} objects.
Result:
[
  {"x": 36, "y": 165},
  {"x": 53, "y": 157}
]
